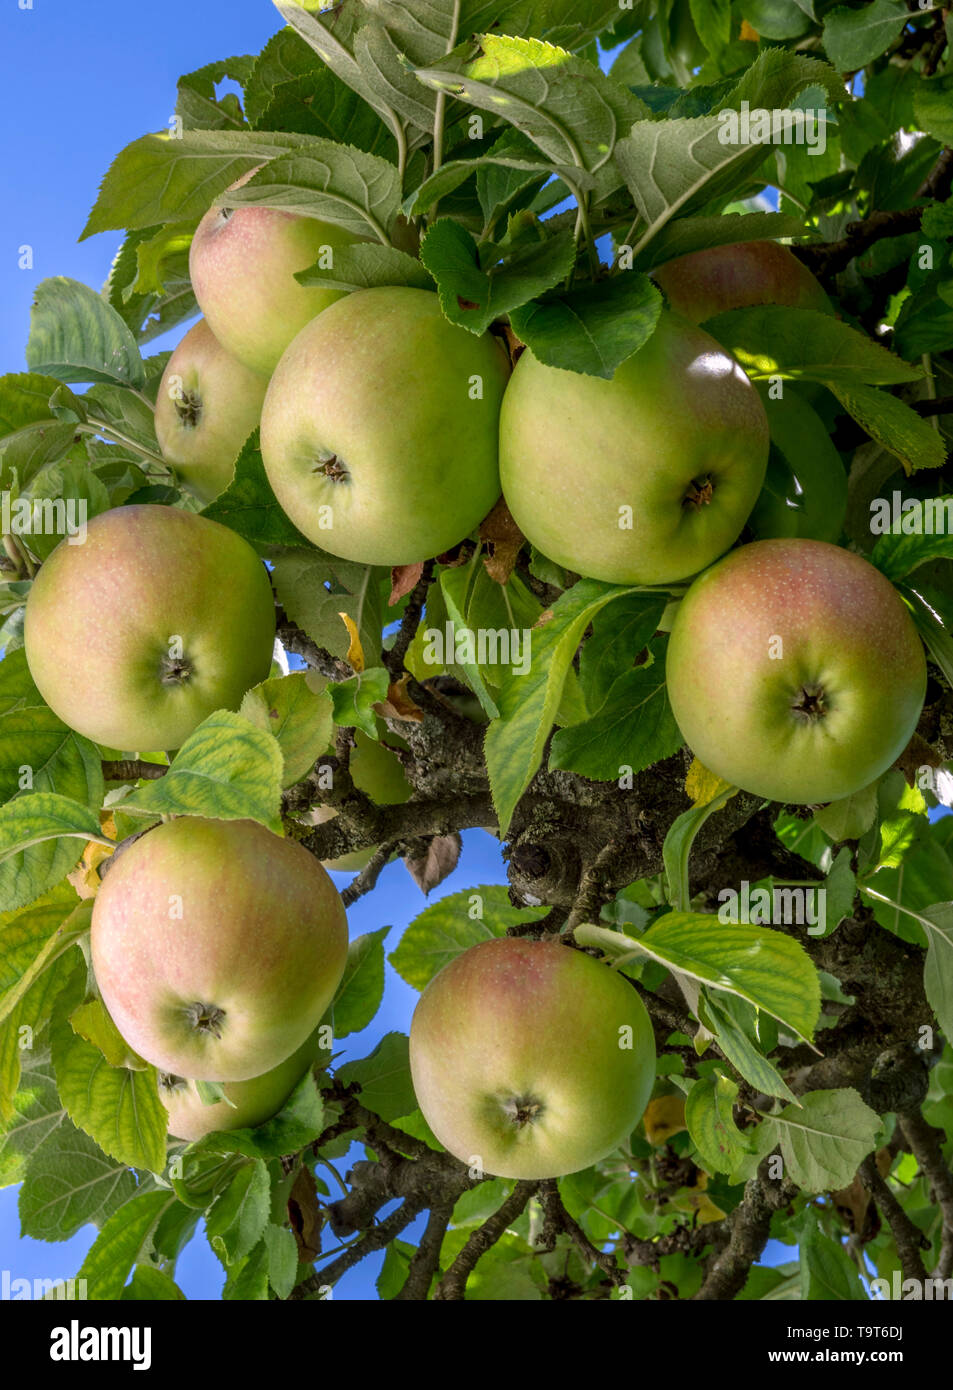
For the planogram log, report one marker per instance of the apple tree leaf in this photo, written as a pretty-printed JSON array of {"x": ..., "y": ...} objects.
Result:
[
  {"x": 804, "y": 344},
  {"x": 711, "y": 1125},
  {"x": 361, "y": 989},
  {"x": 593, "y": 329},
  {"x": 227, "y": 769},
  {"x": 384, "y": 1078},
  {"x": 297, "y": 714},
  {"x": 121, "y": 1242},
  {"x": 450, "y": 926},
  {"x": 75, "y": 335}
]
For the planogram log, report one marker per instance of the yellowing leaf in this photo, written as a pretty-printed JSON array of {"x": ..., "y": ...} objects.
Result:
[
  {"x": 703, "y": 786},
  {"x": 663, "y": 1117},
  {"x": 355, "y": 652}
]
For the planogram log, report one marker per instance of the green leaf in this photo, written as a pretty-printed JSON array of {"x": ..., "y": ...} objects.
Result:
[
  {"x": 826, "y": 1270},
  {"x": 33, "y": 1113},
  {"x": 315, "y": 589},
  {"x": 69, "y": 1181},
  {"x": 712, "y": 20},
  {"x": 690, "y": 234},
  {"x": 226, "y": 769},
  {"x": 120, "y": 1244},
  {"x": 617, "y": 639},
  {"x": 771, "y": 970},
  {"x": 76, "y": 336},
  {"x": 938, "y": 967},
  {"x": 854, "y": 38},
  {"x": 361, "y": 989},
  {"x": 448, "y": 927},
  {"x": 850, "y": 817},
  {"x": 337, "y": 183},
  {"x": 354, "y": 699},
  {"x": 824, "y": 1139},
  {"x": 168, "y": 245},
  {"x": 298, "y": 1122},
  {"x": 593, "y": 329},
  {"x": 634, "y": 729},
  {"x": 165, "y": 178},
  {"x": 29, "y": 863},
  {"x": 248, "y": 1281},
  {"x": 297, "y": 715},
  {"x": 776, "y": 19},
  {"x": 933, "y": 107},
  {"x": 454, "y": 587},
  {"x": 118, "y": 1108},
  {"x": 284, "y": 57},
  {"x": 249, "y": 506},
  {"x": 36, "y": 741},
  {"x": 384, "y": 1078},
  {"x": 366, "y": 265},
  {"x": 282, "y": 1251},
  {"x": 711, "y": 1125},
  {"x": 528, "y": 704},
  {"x": 17, "y": 686},
  {"x": 896, "y": 554},
  {"x": 805, "y": 490},
  {"x": 561, "y": 102},
  {"x": 18, "y": 1037},
  {"x": 894, "y": 426},
  {"x": 740, "y": 1049},
  {"x": 472, "y": 297},
  {"x": 237, "y": 1218},
  {"x": 804, "y": 344},
  {"x": 678, "y": 842},
  {"x": 149, "y": 1285},
  {"x": 33, "y": 938},
  {"x": 197, "y": 104}
]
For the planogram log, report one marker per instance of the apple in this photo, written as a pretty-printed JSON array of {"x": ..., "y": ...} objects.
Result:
[
  {"x": 217, "y": 946},
  {"x": 207, "y": 406},
  {"x": 738, "y": 276},
  {"x": 379, "y": 429},
  {"x": 795, "y": 671},
  {"x": 159, "y": 618},
  {"x": 242, "y": 264},
  {"x": 376, "y": 771},
  {"x": 249, "y": 1103},
  {"x": 643, "y": 479},
  {"x": 531, "y": 1058}
]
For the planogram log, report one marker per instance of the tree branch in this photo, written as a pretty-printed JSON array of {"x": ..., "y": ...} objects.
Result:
[
  {"x": 453, "y": 1284},
  {"x": 925, "y": 1144},
  {"x": 909, "y": 1239}
]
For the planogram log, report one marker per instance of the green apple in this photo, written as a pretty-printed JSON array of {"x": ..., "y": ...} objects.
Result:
[
  {"x": 530, "y": 1058},
  {"x": 217, "y": 946},
  {"x": 379, "y": 429},
  {"x": 159, "y": 618},
  {"x": 242, "y": 263},
  {"x": 795, "y": 671},
  {"x": 377, "y": 771},
  {"x": 643, "y": 479},
  {"x": 738, "y": 276},
  {"x": 207, "y": 406},
  {"x": 247, "y": 1104}
]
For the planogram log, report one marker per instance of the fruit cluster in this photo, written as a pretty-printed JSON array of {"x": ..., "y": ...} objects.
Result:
[{"x": 387, "y": 434}]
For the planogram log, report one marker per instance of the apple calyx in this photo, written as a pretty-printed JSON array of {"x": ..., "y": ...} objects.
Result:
[
  {"x": 332, "y": 467},
  {"x": 810, "y": 704},
  {"x": 523, "y": 1110},
  {"x": 169, "y": 1083},
  {"x": 205, "y": 1018},
  {"x": 699, "y": 494},
  {"x": 175, "y": 670},
  {"x": 188, "y": 408}
]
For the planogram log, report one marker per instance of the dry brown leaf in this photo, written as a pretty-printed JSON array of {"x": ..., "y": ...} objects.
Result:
[
  {"x": 430, "y": 869},
  {"x": 355, "y": 652},
  {"x": 504, "y": 538},
  {"x": 398, "y": 704},
  {"x": 304, "y": 1213},
  {"x": 404, "y": 580}
]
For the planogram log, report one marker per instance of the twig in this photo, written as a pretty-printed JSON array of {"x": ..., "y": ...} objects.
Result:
[
  {"x": 426, "y": 1258},
  {"x": 924, "y": 1142},
  {"x": 393, "y": 657},
  {"x": 909, "y": 1239},
  {"x": 375, "y": 1239},
  {"x": 453, "y": 1283},
  {"x": 558, "y": 1220},
  {"x": 132, "y": 770},
  {"x": 294, "y": 640},
  {"x": 366, "y": 880}
]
